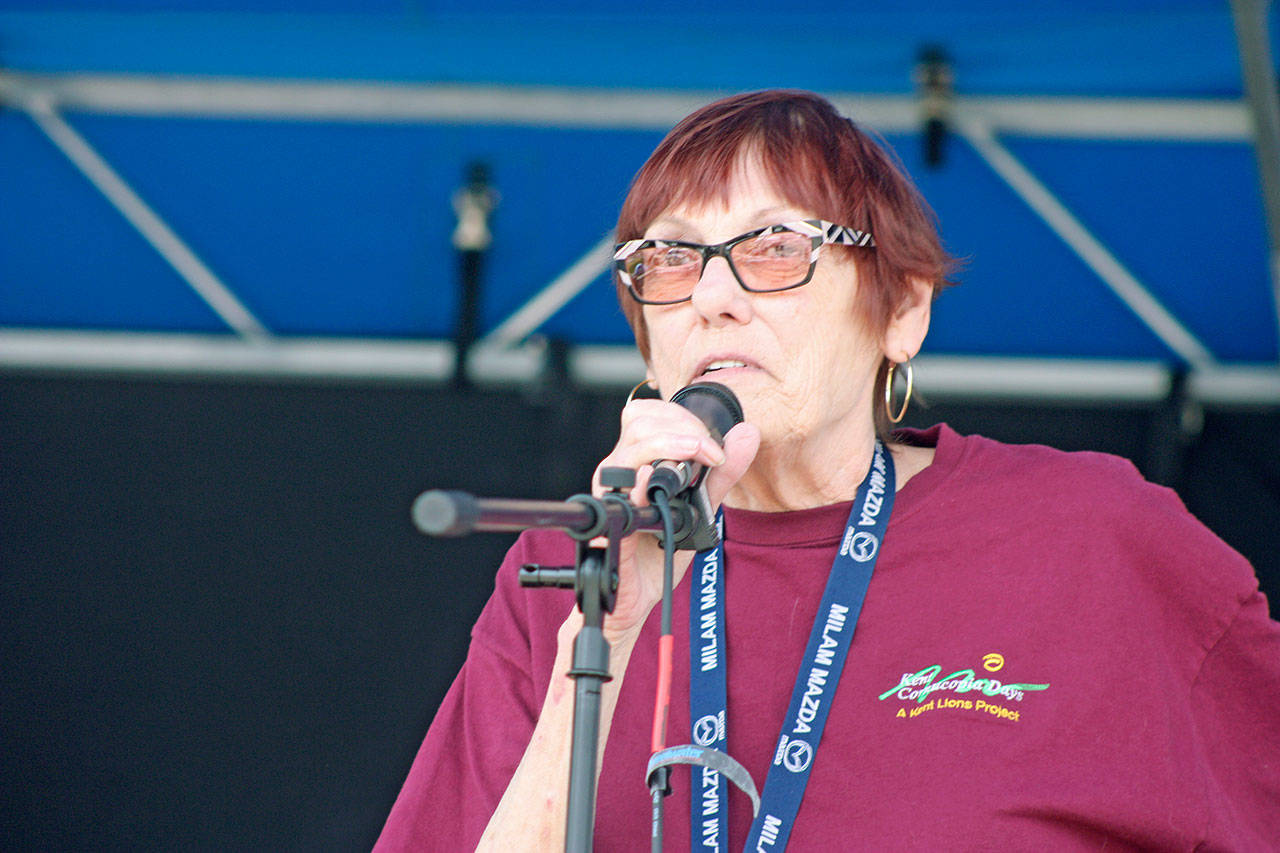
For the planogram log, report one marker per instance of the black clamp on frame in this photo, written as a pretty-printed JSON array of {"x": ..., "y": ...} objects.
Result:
[{"x": 613, "y": 518}]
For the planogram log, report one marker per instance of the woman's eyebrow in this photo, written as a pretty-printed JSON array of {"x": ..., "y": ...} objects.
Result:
[{"x": 764, "y": 216}]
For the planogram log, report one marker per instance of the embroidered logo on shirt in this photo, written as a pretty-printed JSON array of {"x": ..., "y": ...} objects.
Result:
[{"x": 927, "y": 691}]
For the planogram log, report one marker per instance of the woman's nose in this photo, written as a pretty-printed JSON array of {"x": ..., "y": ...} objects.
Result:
[{"x": 718, "y": 296}]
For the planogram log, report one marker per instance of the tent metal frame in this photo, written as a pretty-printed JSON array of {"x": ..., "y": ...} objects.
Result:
[
  {"x": 1250, "y": 18},
  {"x": 507, "y": 354}
]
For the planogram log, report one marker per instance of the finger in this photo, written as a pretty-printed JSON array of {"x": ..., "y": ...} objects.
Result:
[
  {"x": 640, "y": 494},
  {"x": 642, "y": 416},
  {"x": 740, "y": 447},
  {"x": 638, "y": 454},
  {"x": 642, "y": 408},
  {"x": 647, "y": 443}
]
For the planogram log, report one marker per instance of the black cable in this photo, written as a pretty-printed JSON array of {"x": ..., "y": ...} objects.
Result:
[
  {"x": 660, "y": 780},
  {"x": 668, "y": 557}
]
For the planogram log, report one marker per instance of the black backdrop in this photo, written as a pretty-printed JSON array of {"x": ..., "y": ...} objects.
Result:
[{"x": 222, "y": 631}]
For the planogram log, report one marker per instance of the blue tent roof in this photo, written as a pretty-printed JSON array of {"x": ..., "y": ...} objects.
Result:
[
  {"x": 1161, "y": 49},
  {"x": 338, "y": 227}
]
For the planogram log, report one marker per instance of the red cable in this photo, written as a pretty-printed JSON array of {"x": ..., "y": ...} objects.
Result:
[{"x": 662, "y": 701}]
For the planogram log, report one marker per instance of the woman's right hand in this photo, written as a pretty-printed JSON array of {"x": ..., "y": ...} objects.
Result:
[{"x": 652, "y": 430}]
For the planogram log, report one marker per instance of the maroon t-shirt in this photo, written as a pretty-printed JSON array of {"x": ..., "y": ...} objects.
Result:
[{"x": 1053, "y": 654}]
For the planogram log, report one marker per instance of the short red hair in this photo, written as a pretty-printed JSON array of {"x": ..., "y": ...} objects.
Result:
[{"x": 817, "y": 160}]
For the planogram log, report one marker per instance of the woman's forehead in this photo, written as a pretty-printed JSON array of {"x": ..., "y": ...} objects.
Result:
[{"x": 748, "y": 200}]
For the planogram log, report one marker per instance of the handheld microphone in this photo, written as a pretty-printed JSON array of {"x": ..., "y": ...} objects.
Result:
[{"x": 717, "y": 407}]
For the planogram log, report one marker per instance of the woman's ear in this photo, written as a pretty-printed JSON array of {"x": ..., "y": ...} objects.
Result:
[{"x": 910, "y": 323}]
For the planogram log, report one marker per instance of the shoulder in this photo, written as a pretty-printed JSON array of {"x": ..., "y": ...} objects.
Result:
[
  {"x": 972, "y": 473},
  {"x": 515, "y": 612},
  {"x": 987, "y": 457},
  {"x": 978, "y": 455},
  {"x": 1097, "y": 491},
  {"x": 540, "y": 545},
  {"x": 1058, "y": 483},
  {"x": 1097, "y": 512}
]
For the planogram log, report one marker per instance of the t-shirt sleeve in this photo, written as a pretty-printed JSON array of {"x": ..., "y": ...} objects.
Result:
[
  {"x": 1236, "y": 703},
  {"x": 1200, "y": 598},
  {"x": 483, "y": 726}
]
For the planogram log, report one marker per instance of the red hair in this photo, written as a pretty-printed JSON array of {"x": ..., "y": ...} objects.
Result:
[{"x": 815, "y": 159}]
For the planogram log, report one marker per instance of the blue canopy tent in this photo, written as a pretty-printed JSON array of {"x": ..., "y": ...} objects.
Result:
[{"x": 263, "y": 191}]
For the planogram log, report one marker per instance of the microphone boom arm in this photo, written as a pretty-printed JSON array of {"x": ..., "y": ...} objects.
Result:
[{"x": 583, "y": 517}]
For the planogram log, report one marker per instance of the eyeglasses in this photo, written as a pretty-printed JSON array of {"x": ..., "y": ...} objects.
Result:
[{"x": 777, "y": 257}]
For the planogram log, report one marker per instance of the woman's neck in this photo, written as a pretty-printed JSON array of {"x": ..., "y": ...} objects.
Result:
[
  {"x": 801, "y": 471},
  {"x": 811, "y": 473}
]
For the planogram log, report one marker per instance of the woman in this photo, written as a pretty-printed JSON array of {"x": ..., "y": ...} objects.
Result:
[{"x": 1052, "y": 653}]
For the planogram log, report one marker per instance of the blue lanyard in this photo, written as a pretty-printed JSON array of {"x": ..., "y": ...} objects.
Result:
[{"x": 816, "y": 682}]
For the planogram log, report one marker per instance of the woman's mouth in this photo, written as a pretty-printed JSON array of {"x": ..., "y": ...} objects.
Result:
[
  {"x": 724, "y": 364},
  {"x": 718, "y": 365}
]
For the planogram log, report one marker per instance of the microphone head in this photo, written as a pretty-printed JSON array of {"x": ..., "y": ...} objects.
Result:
[
  {"x": 716, "y": 407},
  {"x": 714, "y": 404}
]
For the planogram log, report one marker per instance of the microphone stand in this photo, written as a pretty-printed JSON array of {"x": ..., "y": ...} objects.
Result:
[
  {"x": 595, "y": 582},
  {"x": 594, "y": 579}
]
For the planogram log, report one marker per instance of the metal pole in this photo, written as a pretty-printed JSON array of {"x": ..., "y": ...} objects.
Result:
[
  {"x": 1264, "y": 103},
  {"x": 1088, "y": 248},
  {"x": 148, "y": 223},
  {"x": 473, "y": 204}
]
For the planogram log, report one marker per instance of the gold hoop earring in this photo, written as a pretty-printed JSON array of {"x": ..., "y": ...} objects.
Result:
[
  {"x": 888, "y": 391},
  {"x": 640, "y": 385}
]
